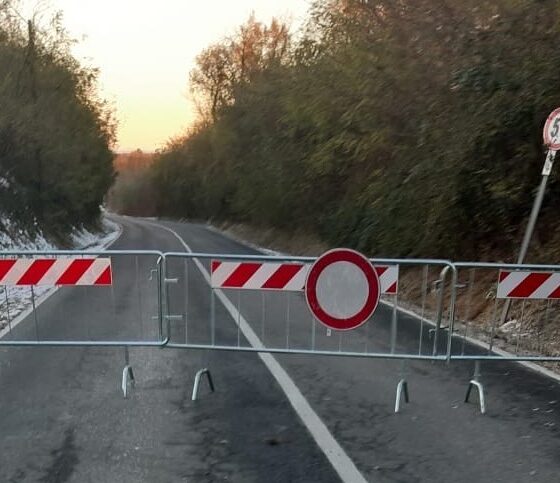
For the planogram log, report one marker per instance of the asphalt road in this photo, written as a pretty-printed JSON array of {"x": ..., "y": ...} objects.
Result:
[{"x": 63, "y": 418}]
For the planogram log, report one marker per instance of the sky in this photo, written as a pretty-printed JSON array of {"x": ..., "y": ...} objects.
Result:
[{"x": 145, "y": 50}]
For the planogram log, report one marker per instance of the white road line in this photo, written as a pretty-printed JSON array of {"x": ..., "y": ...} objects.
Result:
[{"x": 338, "y": 458}]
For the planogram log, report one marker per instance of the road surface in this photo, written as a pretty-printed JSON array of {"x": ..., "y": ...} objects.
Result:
[{"x": 63, "y": 418}]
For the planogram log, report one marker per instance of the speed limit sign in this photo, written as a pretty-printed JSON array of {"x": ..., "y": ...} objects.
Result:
[{"x": 551, "y": 132}]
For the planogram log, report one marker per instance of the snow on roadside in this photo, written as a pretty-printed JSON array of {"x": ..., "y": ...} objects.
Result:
[
  {"x": 85, "y": 240},
  {"x": 15, "y": 300}
]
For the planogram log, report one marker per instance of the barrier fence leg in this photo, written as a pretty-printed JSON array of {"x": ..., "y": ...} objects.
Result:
[
  {"x": 402, "y": 388},
  {"x": 8, "y": 309},
  {"x": 34, "y": 313},
  {"x": 475, "y": 382},
  {"x": 127, "y": 375},
  {"x": 197, "y": 378}
]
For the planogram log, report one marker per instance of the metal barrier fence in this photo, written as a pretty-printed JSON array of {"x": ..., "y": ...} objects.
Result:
[
  {"x": 431, "y": 310},
  {"x": 135, "y": 281},
  {"x": 256, "y": 304},
  {"x": 279, "y": 316},
  {"x": 95, "y": 292},
  {"x": 504, "y": 313},
  {"x": 531, "y": 293}
]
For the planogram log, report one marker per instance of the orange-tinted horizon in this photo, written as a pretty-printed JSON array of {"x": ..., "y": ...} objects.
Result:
[{"x": 145, "y": 50}]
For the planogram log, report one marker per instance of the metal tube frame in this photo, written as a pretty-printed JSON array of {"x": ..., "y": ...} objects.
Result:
[
  {"x": 475, "y": 383},
  {"x": 94, "y": 343},
  {"x": 196, "y": 385},
  {"x": 447, "y": 267},
  {"x": 165, "y": 320},
  {"x": 127, "y": 375},
  {"x": 493, "y": 355},
  {"x": 402, "y": 388}
]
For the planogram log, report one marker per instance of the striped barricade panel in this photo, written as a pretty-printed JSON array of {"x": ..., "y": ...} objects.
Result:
[
  {"x": 283, "y": 276},
  {"x": 528, "y": 285},
  {"x": 55, "y": 271}
]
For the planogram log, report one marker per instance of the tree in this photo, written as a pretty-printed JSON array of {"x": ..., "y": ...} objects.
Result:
[
  {"x": 55, "y": 132},
  {"x": 223, "y": 66}
]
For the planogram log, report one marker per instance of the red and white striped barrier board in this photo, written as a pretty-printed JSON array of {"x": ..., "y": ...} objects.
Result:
[
  {"x": 55, "y": 271},
  {"x": 282, "y": 276},
  {"x": 528, "y": 285},
  {"x": 388, "y": 278}
]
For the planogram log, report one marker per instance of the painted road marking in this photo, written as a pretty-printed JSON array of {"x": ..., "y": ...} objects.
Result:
[{"x": 338, "y": 458}]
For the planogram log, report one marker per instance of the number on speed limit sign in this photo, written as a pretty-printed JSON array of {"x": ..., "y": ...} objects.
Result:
[{"x": 551, "y": 132}]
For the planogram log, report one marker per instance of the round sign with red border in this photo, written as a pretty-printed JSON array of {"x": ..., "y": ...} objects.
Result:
[
  {"x": 551, "y": 132},
  {"x": 342, "y": 289}
]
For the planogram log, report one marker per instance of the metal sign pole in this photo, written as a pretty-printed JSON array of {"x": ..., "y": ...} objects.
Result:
[
  {"x": 551, "y": 139},
  {"x": 547, "y": 168}
]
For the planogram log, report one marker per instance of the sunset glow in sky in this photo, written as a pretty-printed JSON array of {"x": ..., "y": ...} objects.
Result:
[{"x": 145, "y": 50}]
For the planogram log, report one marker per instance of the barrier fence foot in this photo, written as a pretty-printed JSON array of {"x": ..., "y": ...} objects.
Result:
[
  {"x": 480, "y": 388},
  {"x": 127, "y": 375},
  {"x": 127, "y": 379},
  {"x": 475, "y": 382},
  {"x": 197, "y": 378},
  {"x": 402, "y": 389}
]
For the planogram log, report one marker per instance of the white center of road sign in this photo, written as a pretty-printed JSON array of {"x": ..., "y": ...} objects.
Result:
[
  {"x": 342, "y": 300},
  {"x": 342, "y": 289}
]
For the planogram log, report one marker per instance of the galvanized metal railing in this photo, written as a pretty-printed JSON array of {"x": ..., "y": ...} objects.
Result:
[
  {"x": 195, "y": 301},
  {"x": 279, "y": 321},
  {"x": 528, "y": 292},
  {"x": 481, "y": 284},
  {"x": 84, "y": 316},
  {"x": 295, "y": 314},
  {"x": 148, "y": 288}
]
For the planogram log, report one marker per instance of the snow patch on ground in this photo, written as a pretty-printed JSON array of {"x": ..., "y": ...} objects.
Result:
[
  {"x": 86, "y": 240},
  {"x": 17, "y": 239},
  {"x": 15, "y": 300}
]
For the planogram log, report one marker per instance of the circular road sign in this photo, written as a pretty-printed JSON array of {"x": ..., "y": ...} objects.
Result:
[
  {"x": 342, "y": 289},
  {"x": 551, "y": 133}
]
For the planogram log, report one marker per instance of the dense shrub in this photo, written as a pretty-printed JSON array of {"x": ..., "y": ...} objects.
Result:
[{"x": 55, "y": 132}]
